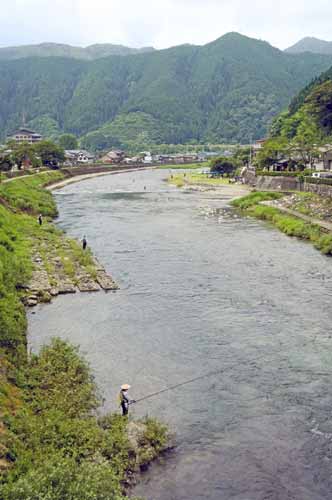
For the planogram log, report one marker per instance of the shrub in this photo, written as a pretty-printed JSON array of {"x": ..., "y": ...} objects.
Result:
[
  {"x": 254, "y": 198},
  {"x": 324, "y": 244}
]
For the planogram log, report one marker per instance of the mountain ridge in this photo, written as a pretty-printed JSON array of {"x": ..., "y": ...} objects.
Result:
[
  {"x": 311, "y": 44},
  {"x": 51, "y": 49},
  {"x": 226, "y": 91}
]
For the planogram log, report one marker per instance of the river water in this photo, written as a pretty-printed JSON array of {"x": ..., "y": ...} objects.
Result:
[{"x": 205, "y": 290}]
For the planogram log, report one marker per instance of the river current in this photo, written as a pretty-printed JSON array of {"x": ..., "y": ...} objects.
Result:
[{"x": 203, "y": 290}]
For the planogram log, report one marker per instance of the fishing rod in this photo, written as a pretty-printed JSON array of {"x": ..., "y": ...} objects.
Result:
[{"x": 173, "y": 387}]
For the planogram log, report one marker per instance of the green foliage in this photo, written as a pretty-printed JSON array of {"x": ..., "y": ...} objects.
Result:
[
  {"x": 254, "y": 198},
  {"x": 58, "y": 478},
  {"x": 23, "y": 153},
  {"x": 270, "y": 152},
  {"x": 319, "y": 103},
  {"x": 45, "y": 125},
  {"x": 155, "y": 435},
  {"x": 50, "y": 154},
  {"x": 28, "y": 194},
  {"x": 68, "y": 141},
  {"x": 288, "y": 224},
  {"x": 54, "y": 377},
  {"x": 226, "y": 91},
  {"x": 223, "y": 165},
  {"x": 324, "y": 244}
]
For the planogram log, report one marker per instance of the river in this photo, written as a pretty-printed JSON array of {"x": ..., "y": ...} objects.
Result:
[{"x": 205, "y": 290}]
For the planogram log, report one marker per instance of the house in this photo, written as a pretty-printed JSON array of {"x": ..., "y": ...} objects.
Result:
[
  {"x": 114, "y": 156},
  {"x": 74, "y": 156},
  {"x": 25, "y": 135},
  {"x": 146, "y": 157}
]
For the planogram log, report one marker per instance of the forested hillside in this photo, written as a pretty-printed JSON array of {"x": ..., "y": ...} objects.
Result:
[
  {"x": 310, "y": 108},
  {"x": 228, "y": 90},
  {"x": 62, "y": 50}
]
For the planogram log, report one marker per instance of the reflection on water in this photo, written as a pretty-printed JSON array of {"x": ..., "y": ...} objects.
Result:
[{"x": 204, "y": 290}]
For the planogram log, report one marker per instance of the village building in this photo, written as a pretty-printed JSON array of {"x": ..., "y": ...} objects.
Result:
[
  {"x": 76, "y": 156},
  {"x": 25, "y": 135},
  {"x": 114, "y": 156}
]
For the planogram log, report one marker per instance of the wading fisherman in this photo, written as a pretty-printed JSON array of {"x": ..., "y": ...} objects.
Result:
[
  {"x": 84, "y": 243},
  {"x": 40, "y": 219},
  {"x": 124, "y": 399}
]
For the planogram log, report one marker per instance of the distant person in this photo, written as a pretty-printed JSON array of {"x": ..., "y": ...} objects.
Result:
[
  {"x": 84, "y": 243},
  {"x": 124, "y": 399},
  {"x": 40, "y": 219}
]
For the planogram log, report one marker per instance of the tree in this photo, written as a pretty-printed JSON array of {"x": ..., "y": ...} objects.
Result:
[
  {"x": 223, "y": 165},
  {"x": 6, "y": 162},
  {"x": 50, "y": 154},
  {"x": 242, "y": 155},
  {"x": 68, "y": 141},
  {"x": 23, "y": 154},
  {"x": 273, "y": 150},
  {"x": 305, "y": 145},
  {"x": 319, "y": 105}
]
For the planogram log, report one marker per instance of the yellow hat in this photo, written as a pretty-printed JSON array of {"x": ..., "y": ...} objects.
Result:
[{"x": 125, "y": 387}]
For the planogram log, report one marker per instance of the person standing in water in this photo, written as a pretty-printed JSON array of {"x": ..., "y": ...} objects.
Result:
[
  {"x": 124, "y": 399},
  {"x": 84, "y": 243}
]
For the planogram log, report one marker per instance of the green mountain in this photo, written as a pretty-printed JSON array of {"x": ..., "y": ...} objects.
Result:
[
  {"x": 61, "y": 50},
  {"x": 313, "y": 106},
  {"x": 226, "y": 91},
  {"x": 311, "y": 44}
]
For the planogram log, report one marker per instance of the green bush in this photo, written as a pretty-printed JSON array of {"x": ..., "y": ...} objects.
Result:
[
  {"x": 324, "y": 244},
  {"x": 59, "y": 478},
  {"x": 254, "y": 198}
]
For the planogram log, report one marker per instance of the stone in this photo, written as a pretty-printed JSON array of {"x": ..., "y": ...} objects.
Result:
[
  {"x": 105, "y": 281},
  {"x": 66, "y": 287},
  {"x": 31, "y": 302},
  {"x": 88, "y": 286}
]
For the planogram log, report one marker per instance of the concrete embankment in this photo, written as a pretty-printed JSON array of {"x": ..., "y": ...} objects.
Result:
[{"x": 285, "y": 183}]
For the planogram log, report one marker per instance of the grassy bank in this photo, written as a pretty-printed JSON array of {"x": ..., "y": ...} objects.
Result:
[
  {"x": 52, "y": 446},
  {"x": 185, "y": 166},
  {"x": 290, "y": 225},
  {"x": 192, "y": 179}
]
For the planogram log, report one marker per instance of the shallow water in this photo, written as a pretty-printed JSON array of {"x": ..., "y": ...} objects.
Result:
[{"x": 204, "y": 290}]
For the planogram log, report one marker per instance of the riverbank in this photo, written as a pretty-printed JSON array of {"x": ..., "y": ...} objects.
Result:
[
  {"x": 271, "y": 207},
  {"x": 52, "y": 445},
  {"x": 203, "y": 183}
]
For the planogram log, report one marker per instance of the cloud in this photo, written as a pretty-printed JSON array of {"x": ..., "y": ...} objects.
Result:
[{"x": 161, "y": 23}]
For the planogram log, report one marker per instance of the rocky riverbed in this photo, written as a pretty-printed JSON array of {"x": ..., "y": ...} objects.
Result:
[{"x": 60, "y": 269}]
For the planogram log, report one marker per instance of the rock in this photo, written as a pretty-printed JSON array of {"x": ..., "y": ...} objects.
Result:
[
  {"x": 31, "y": 302},
  {"x": 45, "y": 297},
  {"x": 66, "y": 287},
  {"x": 54, "y": 292},
  {"x": 88, "y": 286},
  {"x": 105, "y": 281}
]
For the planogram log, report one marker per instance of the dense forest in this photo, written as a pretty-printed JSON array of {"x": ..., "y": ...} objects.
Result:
[
  {"x": 298, "y": 133},
  {"x": 226, "y": 91}
]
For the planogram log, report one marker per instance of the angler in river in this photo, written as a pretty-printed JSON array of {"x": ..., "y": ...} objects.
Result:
[{"x": 124, "y": 399}]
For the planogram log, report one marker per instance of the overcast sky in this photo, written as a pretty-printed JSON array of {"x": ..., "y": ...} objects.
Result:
[{"x": 161, "y": 23}]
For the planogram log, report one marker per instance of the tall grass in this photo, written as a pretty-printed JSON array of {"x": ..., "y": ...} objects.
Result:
[{"x": 290, "y": 225}]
